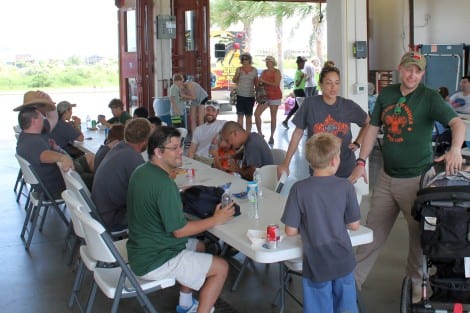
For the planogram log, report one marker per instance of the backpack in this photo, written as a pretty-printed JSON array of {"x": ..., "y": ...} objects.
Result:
[{"x": 200, "y": 200}]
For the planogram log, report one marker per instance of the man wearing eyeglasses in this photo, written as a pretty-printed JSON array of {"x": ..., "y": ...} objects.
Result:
[
  {"x": 34, "y": 145},
  {"x": 158, "y": 245},
  {"x": 109, "y": 191},
  {"x": 407, "y": 112}
]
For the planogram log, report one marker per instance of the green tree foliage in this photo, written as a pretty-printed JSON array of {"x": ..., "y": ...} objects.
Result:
[
  {"x": 55, "y": 74},
  {"x": 228, "y": 12}
]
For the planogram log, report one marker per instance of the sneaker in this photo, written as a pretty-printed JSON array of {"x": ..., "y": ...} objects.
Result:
[
  {"x": 191, "y": 309},
  {"x": 285, "y": 125},
  {"x": 271, "y": 141}
]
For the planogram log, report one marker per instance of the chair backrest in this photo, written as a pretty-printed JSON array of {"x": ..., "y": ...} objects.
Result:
[
  {"x": 93, "y": 231},
  {"x": 184, "y": 132},
  {"x": 278, "y": 155},
  {"x": 75, "y": 176},
  {"x": 73, "y": 204},
  {"x": 268, "y": 176},
  {"x": 29, "y": 175},
  {"x": 76, "y": 185},
  {"x": 281, "y": 182}
]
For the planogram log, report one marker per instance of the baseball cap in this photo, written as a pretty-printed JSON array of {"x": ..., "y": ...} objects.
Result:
[
  {"x": 64, "y": 106},
  {"x": 213, "y": 104},
  {"x": 415, "y": 58}
]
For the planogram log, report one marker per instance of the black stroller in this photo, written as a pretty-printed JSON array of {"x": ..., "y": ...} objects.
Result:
[{"x": 442, "y": 207}]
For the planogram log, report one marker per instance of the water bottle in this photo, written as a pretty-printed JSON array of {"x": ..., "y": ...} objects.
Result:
[
  {"x": 226, "y": 198},
  {"x": 88, "y": 121},
  {"x": 253, "y": 200},
  {"x": 257, "y": 180}
]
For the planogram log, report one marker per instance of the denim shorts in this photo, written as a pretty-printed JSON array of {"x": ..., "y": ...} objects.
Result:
[{"x": 245, "y": 105}]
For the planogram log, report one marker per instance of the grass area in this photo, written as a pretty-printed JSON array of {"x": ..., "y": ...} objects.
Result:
[{"x": 58, "y": 75}]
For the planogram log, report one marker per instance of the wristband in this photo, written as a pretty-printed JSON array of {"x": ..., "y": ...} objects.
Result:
[
  {"x": 357, "y": 144},
  {"x": 361, "y": 162}
]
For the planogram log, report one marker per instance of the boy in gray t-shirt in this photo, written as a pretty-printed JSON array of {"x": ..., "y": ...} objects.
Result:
[{"x": 321, "y": 208}]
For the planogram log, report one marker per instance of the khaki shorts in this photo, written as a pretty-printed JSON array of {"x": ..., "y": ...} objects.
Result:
[{"x": 189, "y": 268}]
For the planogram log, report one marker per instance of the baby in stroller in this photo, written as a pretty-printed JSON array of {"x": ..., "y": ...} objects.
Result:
[{"x": 442, "y": 208}]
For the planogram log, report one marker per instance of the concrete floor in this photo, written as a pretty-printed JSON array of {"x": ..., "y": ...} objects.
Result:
[{"x": 40, "y": 280}]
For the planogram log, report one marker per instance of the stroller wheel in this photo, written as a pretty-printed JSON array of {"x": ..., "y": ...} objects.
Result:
[{"x": 406, "y": 295}]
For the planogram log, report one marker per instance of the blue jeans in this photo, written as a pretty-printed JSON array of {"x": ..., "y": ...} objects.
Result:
[
  {"x": 311, "y": 91},
  {"x": 334, "y": 296}
]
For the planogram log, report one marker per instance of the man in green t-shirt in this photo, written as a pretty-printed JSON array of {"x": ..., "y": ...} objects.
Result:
[
  {"x": 158, "y": 245},
  {"x": 407, "y": 113},
  {"x": 119, "y": 115}
]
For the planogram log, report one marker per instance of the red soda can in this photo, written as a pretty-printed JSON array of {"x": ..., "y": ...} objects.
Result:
[
  {"x": 190, "y": 172},
  {"x": 272, "y": 236}
]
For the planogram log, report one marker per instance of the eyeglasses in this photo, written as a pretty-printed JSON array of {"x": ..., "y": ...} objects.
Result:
[
  {"x": 174, "y": 148},
  {"x": 245, "y": 59},
  {"x": 397, "y": 109}
]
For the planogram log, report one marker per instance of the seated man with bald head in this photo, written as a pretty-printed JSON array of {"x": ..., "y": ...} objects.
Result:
[{"x": 256, "y": 151}]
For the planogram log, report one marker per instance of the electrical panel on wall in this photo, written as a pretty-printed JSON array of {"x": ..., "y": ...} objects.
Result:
[
  {"x": 166, "y": 26},
  {"x": 360, "y": 49}
]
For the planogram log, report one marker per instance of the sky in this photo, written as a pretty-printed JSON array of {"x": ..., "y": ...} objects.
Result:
[{"x": 58, "y": 28}]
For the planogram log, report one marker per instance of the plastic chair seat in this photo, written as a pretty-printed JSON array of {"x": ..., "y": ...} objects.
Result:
[{"x": 108, "y": 279}]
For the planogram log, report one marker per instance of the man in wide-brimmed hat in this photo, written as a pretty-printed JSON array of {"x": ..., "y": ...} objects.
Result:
[
  {"x": 43, "y": 102},
  {"x": 35, "y": 146}
]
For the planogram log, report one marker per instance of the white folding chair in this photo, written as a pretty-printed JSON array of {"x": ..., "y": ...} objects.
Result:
[
  {"x": 111, "y": 273},
  {"x": 39, "y": 198},
  {"x": 269, "y": 178},
  {"x": 85, "y": 261},
  {"x": 19, "y": 178},
  {"x": 184, "y": 133},
  {"x": 278, "y": 155},
  {"x": 77, "y": 186}
]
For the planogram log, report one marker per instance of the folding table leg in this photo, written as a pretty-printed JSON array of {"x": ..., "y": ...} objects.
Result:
[
  {"x": 240, "y": 273},
  {"x": 283, "y": 287}
]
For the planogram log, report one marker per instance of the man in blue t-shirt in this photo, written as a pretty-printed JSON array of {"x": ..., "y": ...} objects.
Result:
[
  {"x": 111, "y": 180},
  {"x": 256, "y": 152},
  {"x": 35, "y": 146}
]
